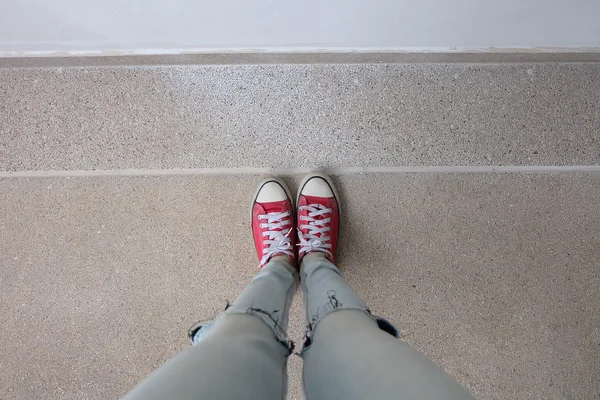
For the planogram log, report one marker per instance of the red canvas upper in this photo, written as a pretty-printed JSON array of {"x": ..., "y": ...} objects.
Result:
[
  {"x": 257, "y": 230},
  {"x": 334, "y": 215}
]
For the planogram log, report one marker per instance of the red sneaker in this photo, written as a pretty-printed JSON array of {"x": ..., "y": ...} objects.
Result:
[
  {"x": 272, "y": 222},
  {"x": 318, "y": 216}
]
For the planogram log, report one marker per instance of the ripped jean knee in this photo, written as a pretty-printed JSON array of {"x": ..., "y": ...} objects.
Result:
[
  {"x": 198, "y": 331},
  {"x": 382, "y": 324}
]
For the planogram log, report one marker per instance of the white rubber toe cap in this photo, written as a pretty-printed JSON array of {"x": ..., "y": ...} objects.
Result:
[
  {"x": 271, "y": 191},
  {"x": 318, "y": 187}
]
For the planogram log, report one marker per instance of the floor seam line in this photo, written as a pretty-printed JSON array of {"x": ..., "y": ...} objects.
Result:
[{"x": 297, "y": 171}]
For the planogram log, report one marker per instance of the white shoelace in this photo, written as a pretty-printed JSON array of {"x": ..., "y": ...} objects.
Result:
[
  {"x": 314, "y": 239},
  {"x": 278, "y": 236}
]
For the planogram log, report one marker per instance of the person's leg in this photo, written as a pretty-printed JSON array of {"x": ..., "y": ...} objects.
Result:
[
  {"x": 243, "y": 353},
  {"x": 350, "y": 354}
]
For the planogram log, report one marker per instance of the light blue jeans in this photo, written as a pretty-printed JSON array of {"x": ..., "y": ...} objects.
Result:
[{"x": 348, "y": 353}]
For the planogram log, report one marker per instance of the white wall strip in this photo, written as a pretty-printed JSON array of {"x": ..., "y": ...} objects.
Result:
[{"x": 298, "y": 171}]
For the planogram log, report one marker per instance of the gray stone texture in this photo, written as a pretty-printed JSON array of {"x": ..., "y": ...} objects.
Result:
[
  {"x": 493, "y": 276},
  {"x": 295, "y": 115}
]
